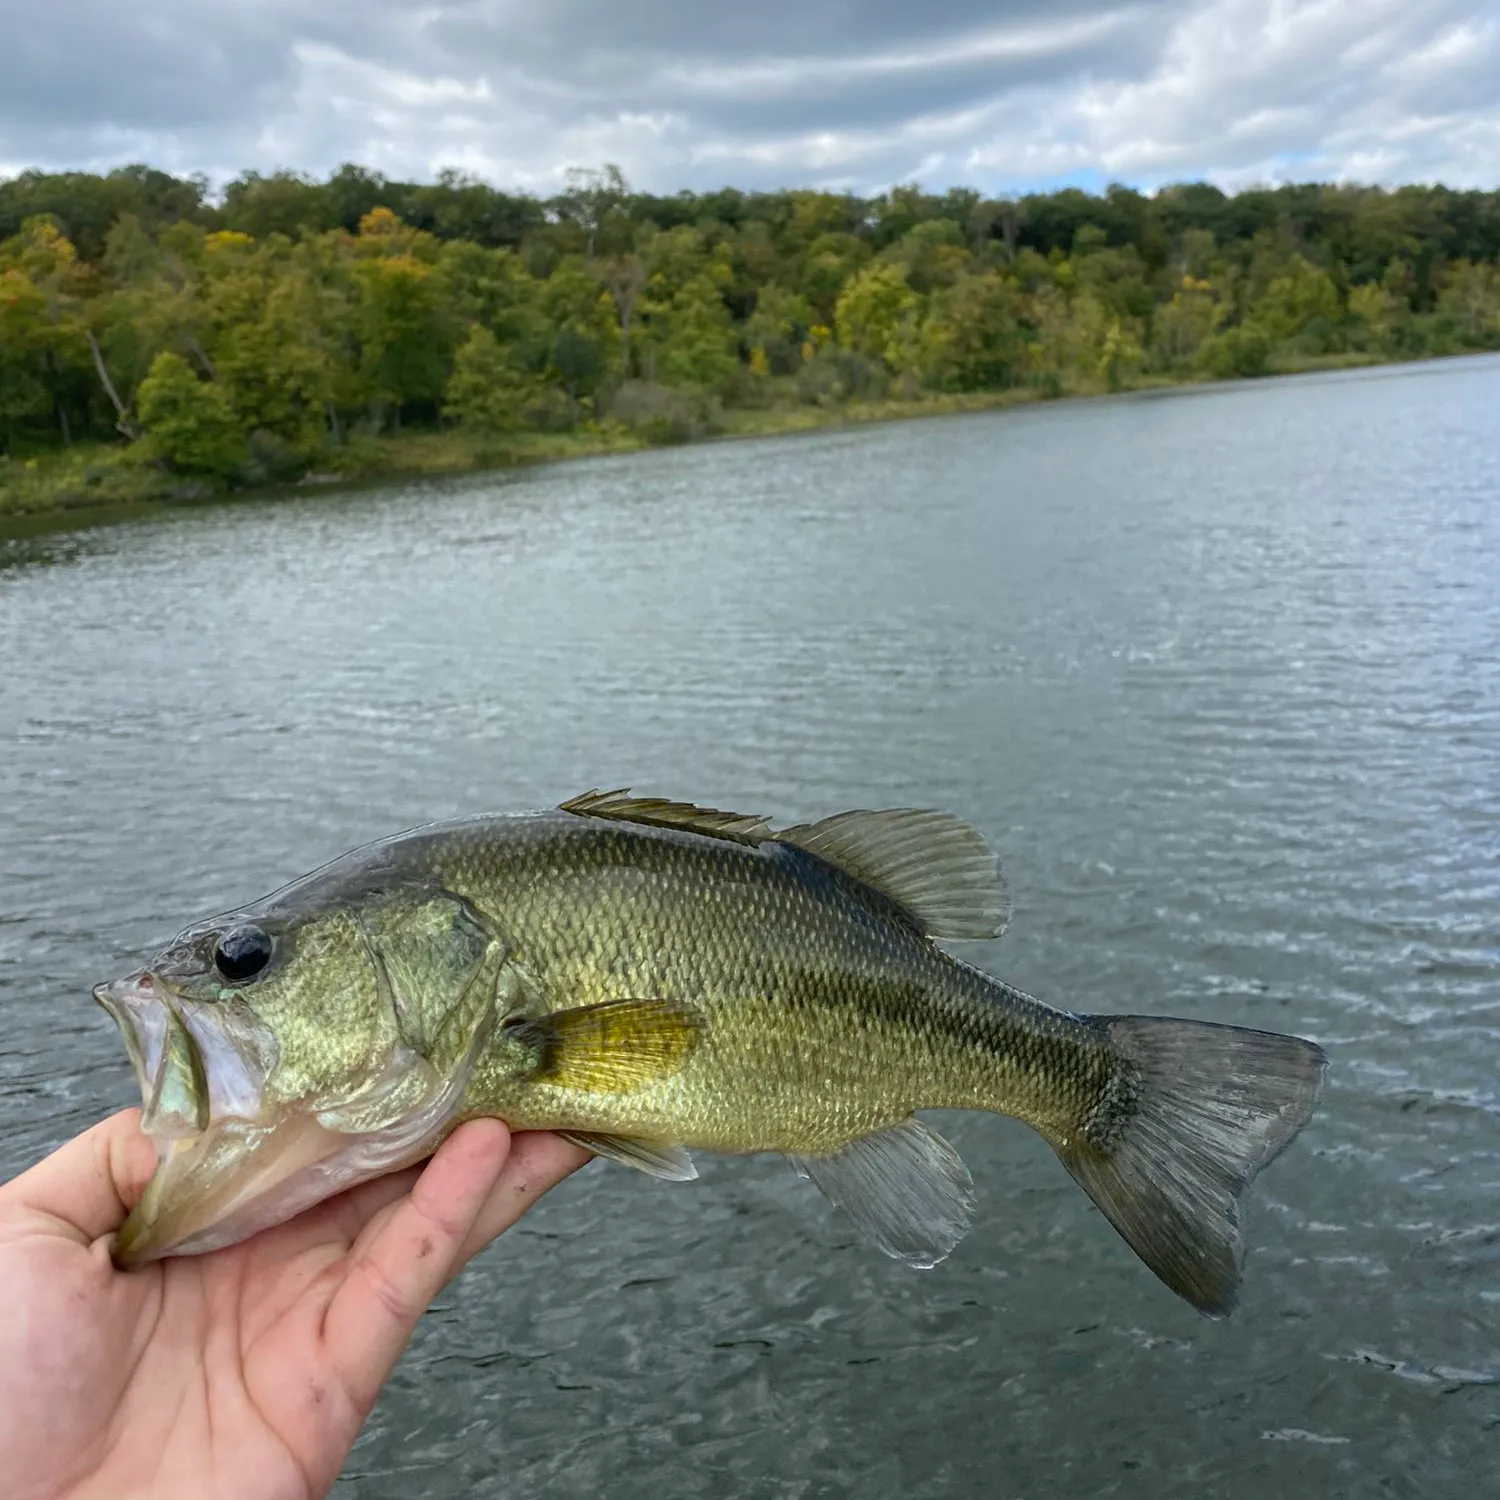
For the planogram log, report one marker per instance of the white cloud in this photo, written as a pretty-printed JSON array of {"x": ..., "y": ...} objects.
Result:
[
  {"x": 1002, "y": 94},
  {"x": 779, "y": 77}
]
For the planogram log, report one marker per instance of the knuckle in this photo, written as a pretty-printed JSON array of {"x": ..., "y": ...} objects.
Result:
[{"x": 387, "y": 1292}]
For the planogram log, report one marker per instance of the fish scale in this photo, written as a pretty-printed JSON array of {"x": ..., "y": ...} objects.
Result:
[{"x": 827, "y": 1018}]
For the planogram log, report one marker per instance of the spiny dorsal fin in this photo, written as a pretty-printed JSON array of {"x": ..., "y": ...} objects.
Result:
[
  {"x": 656, "y": 812},
  {"x": 934, "y": 865},
  {"x": 614, "y": 1047}
]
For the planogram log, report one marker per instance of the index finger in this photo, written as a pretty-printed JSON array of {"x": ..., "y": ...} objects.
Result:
[
  {"x": 401, "y": 1261},
  {"x": 89, "y": 1184},
  {"x": 538, "y": 1160}
]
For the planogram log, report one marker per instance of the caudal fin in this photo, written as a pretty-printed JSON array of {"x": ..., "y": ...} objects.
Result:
[{"x": 1197, "y": 1111}]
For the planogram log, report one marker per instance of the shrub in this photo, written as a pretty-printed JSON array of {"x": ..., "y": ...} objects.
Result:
[
  {"x": 660, "y": 413},
  {"x": 270, "y": 459},
  {"x": 189, "y": 426},
  {"x": 1243, "y": 350},
  {"x": 486, "y": 393},
  {"x": 833, "y": 375}
]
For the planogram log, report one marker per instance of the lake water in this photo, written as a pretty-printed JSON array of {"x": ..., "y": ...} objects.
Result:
[{"x": 1218, "y": 673}]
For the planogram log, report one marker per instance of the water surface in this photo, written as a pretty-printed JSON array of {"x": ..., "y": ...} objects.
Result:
[{"x": 1219, "y": 674}]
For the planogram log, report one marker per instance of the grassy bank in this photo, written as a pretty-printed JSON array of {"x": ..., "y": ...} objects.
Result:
[
  {"x": 105, "y": 478},
  {"x": 105, "y": 482}
]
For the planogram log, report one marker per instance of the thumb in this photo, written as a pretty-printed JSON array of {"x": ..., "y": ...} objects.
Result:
[{"x": 89, "y": 1184}]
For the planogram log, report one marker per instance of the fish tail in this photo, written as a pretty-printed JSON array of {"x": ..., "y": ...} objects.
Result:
[{"x": 1191, "y": 1113}]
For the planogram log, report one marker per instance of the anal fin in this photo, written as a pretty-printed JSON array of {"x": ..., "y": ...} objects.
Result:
[
  {"x": 906, "y": 1189},
  {"x": 655, "y": 1158}
]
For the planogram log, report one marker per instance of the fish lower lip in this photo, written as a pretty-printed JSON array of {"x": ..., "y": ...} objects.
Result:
[{"x": 236, "y": 1179}]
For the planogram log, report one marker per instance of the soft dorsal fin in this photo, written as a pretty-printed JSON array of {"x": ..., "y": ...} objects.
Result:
[
  {"x": 934, "y": 865},
  {"x": 656, "y": 812}
]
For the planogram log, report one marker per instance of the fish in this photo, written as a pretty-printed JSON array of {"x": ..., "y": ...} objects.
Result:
[{"x": 651, "y": 978}]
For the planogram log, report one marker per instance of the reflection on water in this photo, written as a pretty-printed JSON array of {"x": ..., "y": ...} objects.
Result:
[{"x": 1220, "y": 675}]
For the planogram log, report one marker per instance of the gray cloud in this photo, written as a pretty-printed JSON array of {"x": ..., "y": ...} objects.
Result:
[{"x": 1000, "y": 94}]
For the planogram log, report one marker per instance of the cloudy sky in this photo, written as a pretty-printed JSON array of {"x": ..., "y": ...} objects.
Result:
[{"x": 998, "y": 94}]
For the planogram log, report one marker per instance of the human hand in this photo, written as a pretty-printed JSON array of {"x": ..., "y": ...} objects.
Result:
[{"x": 246, "y": 1373}]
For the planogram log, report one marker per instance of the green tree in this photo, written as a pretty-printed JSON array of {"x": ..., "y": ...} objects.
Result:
[
  {"x": 585, "y": 333},
  {"x": 188, "y": 423},
  {"x": 831, "y": 261},
  {"x": 493, "y": 287},
  {"x": 486, "y": 393},
  {"x": 54, "y": 338},
  {"x": 577, "y": 361},
  {"x": 1300, "y": 303},
  {"x": 1197, "y": 253},
  {"x": 1470, "y": 302},
  {"x": 872, "y": 309},
  {"x": 404, "y": 337},
  {"x": 24, "y": 330},
  {"x": 975, "y": 337},
  {"x": 758, "y": 259},
  {"x": 778, "y": 328},
  {"x": 934, "y": 254},
  {"x": 151, "y": 300},
  {"x": 810, "y": 216},
  {"x": 1117, "y": 278},
  {"x": 694, "y": 344},
  {"x": 1241, "y": 351},
  {"x": 275, "y": 360},
  {"x": 285, "y": 203},
  {"x": 1119, "y": 356},
  {"x": 689, "y": 334},
  {"x": 1377, "y": 315},
  {"x": 596, "y": 202},
  {"x": 310, "y": 304},
  {"x": 1181, "y": 327},
  {"x": 624, "y": 277},
  {"x": 1071, "y": 338}
]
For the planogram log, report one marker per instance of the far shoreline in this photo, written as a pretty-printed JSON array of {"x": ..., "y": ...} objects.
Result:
[{"x": 415, "y": 456}]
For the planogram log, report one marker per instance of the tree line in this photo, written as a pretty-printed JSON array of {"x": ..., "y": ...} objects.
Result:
[{"x": 247, "y": 336}]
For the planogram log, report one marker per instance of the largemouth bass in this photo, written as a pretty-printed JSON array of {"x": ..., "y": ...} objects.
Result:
[{"x": 649, "y": 977}]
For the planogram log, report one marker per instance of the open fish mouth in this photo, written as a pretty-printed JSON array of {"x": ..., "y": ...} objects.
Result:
[
  {"x": 230, "y": 1163},
  {"x": 202, "y": 1081},
  {"x": 195, "y": 1069}
]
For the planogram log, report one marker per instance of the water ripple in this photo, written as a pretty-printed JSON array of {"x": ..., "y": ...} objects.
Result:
[{"x": 1221, "y": 678}]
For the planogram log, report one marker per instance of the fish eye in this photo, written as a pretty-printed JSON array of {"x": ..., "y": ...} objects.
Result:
[{"x": 242, "y": 952}]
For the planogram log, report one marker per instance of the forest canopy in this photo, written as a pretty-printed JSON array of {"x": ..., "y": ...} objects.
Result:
[{"x": 251, "y": 335}]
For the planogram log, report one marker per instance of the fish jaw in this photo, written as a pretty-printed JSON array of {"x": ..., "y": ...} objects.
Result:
[
  {"x": 238, "y": 1179},
  {"x": 242, "y": 1176},
  {"x": 201, "y": 1074},
  {"x": 206, "y": 1190},
  {"x": 232, "y": 1157}
]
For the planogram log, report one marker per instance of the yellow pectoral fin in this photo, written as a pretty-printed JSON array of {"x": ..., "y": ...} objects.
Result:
[{"x": 612, "y": 1048}]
